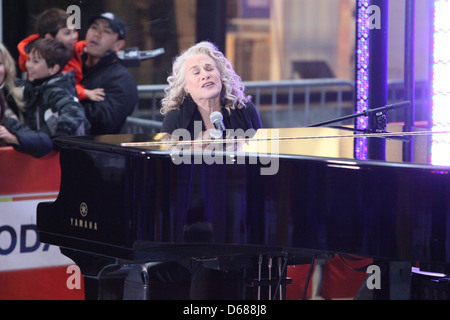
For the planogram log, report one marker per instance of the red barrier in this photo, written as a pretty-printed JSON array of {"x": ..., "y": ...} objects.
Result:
[
  {"x": 29, "y": 269},
  {"x": 21, "y": 173},
  {"x": 38, "y": 284},
  {"x": 299, "y": 276},
  {"x": 340, "y": 278}
]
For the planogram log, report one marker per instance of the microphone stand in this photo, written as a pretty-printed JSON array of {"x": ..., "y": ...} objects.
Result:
[
  {"x": 376, "y": 115},
  {"x": 132, "y": 57}
]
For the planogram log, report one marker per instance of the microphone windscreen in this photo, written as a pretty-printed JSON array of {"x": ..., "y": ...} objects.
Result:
[{"x": 215, "y": 116}]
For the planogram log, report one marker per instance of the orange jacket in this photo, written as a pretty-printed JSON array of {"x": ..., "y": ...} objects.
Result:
[{"x": 74, "y": 64}]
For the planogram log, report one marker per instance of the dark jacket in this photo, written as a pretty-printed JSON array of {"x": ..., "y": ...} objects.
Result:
[
  {"x": 32, "y": 142},
  {"x": 51, "y": 106},
  {"x": 184, "y": 117},
  {"x": 51, "y": 110},
  {"x": 108, "y": 116}
]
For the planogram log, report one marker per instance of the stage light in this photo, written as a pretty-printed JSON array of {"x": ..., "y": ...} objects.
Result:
[
  {"x": 440, "y": 69},
  {"x": 362, "y": 74}
]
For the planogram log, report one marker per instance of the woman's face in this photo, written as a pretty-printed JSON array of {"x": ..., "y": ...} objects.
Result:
[
  {"x": 202, "y": 78},
  {"x": 2, "y": 70}
]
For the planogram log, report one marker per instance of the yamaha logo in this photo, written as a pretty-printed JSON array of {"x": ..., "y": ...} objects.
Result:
[
  {"x": 83, "y": 209},
  {"x": 84, "y": 223}
]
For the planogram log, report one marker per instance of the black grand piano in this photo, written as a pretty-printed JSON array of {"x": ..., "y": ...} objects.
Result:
[{"x": 134, "y": 210}]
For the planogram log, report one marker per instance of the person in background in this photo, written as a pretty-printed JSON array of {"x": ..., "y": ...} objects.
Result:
[
  {"x": 11, "y": 96},
  {"x": 51, "y": 106},
  {"x": 11, "y": 102},
  {"x": 52, "y": 23},
  {"x": 3, "y": 104},
  {"x": 102, "y": 68}
]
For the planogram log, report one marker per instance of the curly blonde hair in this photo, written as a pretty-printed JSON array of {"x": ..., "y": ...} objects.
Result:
[
  {"x": 10, "y": 77},
  {"x": 232, "y": 95}
]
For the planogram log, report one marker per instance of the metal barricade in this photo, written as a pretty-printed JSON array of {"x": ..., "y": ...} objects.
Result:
[
  {"x": 281, "y": 104},
  {"x": 286, "y": 103}
]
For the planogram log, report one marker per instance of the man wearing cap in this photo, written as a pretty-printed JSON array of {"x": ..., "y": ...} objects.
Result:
[{"x": 102, "y": 69}]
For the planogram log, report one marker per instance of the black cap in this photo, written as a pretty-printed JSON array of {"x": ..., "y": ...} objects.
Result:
[{"x": 116, "y": 24}]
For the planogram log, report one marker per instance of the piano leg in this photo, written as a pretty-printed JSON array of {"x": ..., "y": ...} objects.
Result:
[
  {"x": 107, "y": 279},
  {"x": 90, "y": 266},
  {"x": 212, "y": 284},
  {"x": 110, "y": 279},
  {"x": 239, "y": 278}
]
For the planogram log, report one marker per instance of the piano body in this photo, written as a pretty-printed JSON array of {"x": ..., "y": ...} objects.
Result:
[{"x": 286, "y": 194}]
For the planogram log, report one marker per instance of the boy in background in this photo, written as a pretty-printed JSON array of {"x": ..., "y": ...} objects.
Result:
[
  {"x": 51, "y": 106},
  {"x": 52, "y": 23}
]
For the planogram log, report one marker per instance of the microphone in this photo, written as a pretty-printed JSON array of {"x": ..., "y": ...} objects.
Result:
[
  {"x": 217, "y": 119},
  {"x": 132, "y": 57}
]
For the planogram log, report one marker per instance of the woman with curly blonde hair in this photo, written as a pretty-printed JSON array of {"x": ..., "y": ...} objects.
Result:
[
  {"x": 11, "y": 96},
  {"x": 202, "y": 82}
]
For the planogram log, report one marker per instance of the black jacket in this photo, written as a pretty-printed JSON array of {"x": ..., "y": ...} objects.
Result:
[
  {"x": 51, "y": 110},
  {"x": 184, "y": 117},
  {"x": 121, "y": 96},
  {"x": 52, "y": 106},
  {"x": 32, "y": 142}
]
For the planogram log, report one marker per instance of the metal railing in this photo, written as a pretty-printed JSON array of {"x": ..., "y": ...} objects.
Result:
[
  {"x": 286, "y": 103},
  {"x": 280, "y": 103},
  {"x": 290, "y": 103},
  {"x": 139, "y": 125}
]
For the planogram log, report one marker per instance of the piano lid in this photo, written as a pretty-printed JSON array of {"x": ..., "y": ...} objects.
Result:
[{"x": 398, "y": 145}]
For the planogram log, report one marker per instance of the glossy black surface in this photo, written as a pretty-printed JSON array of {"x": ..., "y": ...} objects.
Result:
[{"x": 143, "y": 204}]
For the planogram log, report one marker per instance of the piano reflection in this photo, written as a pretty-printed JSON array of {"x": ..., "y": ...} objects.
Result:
[{"x": 132, "y": 208}]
